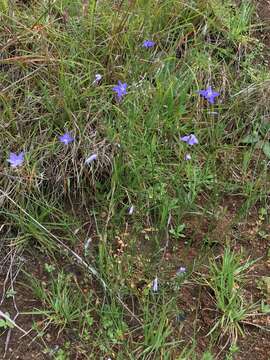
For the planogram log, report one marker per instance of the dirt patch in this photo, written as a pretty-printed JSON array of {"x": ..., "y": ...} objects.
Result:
[
  {"x": 16, "y": 344},
  {"x": 201, "y": 314},
  {"x": 250, "y": 236},
  {"x": 255, "y": 345},
  {"x": 263, "y": 9},
  {"x": 195, "y": 300},
  {"x": 38, "y": 344}
]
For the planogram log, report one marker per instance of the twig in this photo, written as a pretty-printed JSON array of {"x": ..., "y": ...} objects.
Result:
[
  {"x": 85, "y": 5},
  {"x": 12, "y": 280},
  {"x": 12, "y": 276},
  {"x": 27, "y": 59},
  {"x": 6, "y": 317}
]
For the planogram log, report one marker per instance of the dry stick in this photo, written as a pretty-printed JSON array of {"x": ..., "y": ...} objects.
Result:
[
  {"x": 85, "y": 5},
  {"x": 6, "y": 317},
  {"x": 27, "y": 59},
  {"x": 4, "y": 284},
  {"x": 75, "y": 255},
  {"x": 7, "y": 341},
  {"x": 12, "y": 280}
]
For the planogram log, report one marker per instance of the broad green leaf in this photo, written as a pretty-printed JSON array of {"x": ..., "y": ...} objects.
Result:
[
  {"x": 266, "y": 149},
  {"x": 3, "y": 323},
  {"x": 260, "y": 144},
  {"x": 251, "y": 139},
  {"x": 265, "y": 308}
]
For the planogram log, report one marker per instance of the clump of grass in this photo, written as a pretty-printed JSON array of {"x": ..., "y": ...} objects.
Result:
[
  {"x": 226, "y": 279},
  {"x": 63, "y": 304},
  {"x": 28, "y": 226}
]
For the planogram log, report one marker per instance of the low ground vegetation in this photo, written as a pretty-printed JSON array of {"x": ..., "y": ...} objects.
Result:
[{"x": 134, "y": 180}]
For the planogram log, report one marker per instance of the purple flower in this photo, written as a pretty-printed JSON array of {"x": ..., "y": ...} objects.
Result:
[
  {"x": 181, "y": 270},
  {"x": 66, "y": 138},
  {"x": 209, "y": 94},
  {"x": 190, "y": 139},
  {"x": 131, "y": 210},
  {"x": 120, "y": 90},
  {"x": 148, "y": 44},
  {"x": 98, "y": 77},
  {"x": 155, "y": 284},
  {"x": 187, "y": 157},
  {"x": 16, "y": 160},
  {"x": 90, "y": 159}
]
